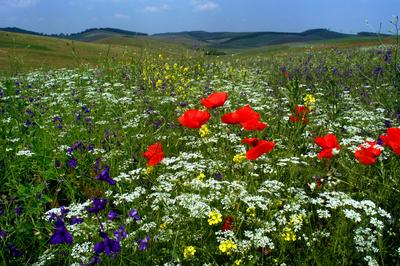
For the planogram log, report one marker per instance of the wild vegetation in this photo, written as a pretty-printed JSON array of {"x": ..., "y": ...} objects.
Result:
[{"x": 164, "y": 158}]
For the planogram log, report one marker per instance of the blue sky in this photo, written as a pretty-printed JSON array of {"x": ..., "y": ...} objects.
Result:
[{"x": 155, "y": 16}]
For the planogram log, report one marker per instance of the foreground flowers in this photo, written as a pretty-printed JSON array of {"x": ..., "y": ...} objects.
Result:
[
  {"x": 61, "y": 234},
  {"x": 154, "y": 154},
  {"x": 260, "y": 147},
  {"x": 367, "y": 152},
  {"x": 329, "y": 144}
]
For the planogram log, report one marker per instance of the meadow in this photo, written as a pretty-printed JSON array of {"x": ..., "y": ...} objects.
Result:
[{"x": 163, "y": 158}]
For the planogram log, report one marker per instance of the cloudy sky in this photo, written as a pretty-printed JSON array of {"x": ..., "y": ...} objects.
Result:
[{"x": 155, "y": 16}]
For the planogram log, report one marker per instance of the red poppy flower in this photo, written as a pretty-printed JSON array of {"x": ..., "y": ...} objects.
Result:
[
  {"x": 241, "y": 115},
  {"x": 214, "y": 100},
  {"x": 367, "y": 152},
  {"x": 247, "y": 117},
  {"x": 260, "y": 147},
  {"x": 194, "y": 118},
  {"x": 227, "y": 224},
  {"x": 329, "y": 145},
  {"x": 300, "y": 114},
  {"x": 253, "y": 124},
  {"x": 392, "y": 139},
  {"x": 154, "y": 154}
]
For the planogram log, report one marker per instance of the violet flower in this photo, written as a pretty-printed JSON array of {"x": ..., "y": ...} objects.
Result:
[
  {"x": 105, "y": 176},
  {"x": 144, "y": 243},
  {"x": 134, "y": 214},
  {"x": 98, "y": 205},
  {"x": 61, "y": 234},
  {"x": 107, "y": 246}
]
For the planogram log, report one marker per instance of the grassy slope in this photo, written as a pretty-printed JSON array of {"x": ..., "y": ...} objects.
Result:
[{"x": 25, "y": 52}]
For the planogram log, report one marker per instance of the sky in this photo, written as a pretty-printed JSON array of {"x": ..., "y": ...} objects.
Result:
[{"x": 157, "y": 16}]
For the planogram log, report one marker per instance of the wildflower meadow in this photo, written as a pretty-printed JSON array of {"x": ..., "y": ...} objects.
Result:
[{"x": 189, "y": 159}]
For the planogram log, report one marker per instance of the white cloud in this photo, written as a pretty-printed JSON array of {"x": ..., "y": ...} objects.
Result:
[
  {"x": 18, "y": 3},
  {"x": 156, "y": 8},
  {"x": 204, "y": 5},
  {"x": 121, "y": 16}
]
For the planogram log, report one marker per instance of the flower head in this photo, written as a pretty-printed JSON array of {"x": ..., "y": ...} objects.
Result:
[
  {"x": 61, "y": 234},
  {"x": 203, "y": 132},
  {"x": 105, "y": 176},
  {"x": 98, "y": 205},
  {"x": 134, "y": 214},
  {"x": 392, "y": 139},
  {"x": 260, "y": 147},
  {"x": 309, "y": 101},
  {"x": 366, "y": 153},
  {"x": 154, "y": 154},
  {"x": 144, "y": 243},
  {"x": 189, "y": 251},
  {"x": 214, "y": 217},
  {"x": 239, "y": 158},
  {"x": 194, "y": 118},
  {"x": 227, "y": 246},
  {"x": 247, "y": 117},
  {"x": 300, "y": 114},
  {"x": 107, "y": 246},
  {"x": 329, "y": 144},
  {"x": 215, "y": 100}
]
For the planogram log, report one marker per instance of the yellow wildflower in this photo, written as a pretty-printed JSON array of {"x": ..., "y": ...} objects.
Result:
[
  {"x": 148, "y": 170},
  {"x": 214, "y": 217},
  {"x": 201, "y": 177},
  {"x": 297, "y": 219},
  {"x": 159, "y": 83},
  {"x": 163, "y": 226},
  {"x": 238, "y": 158},
  {"x": 309, "y": 101},
  {"x": 251, "y": 211},
  {"x": 227, "y": 246},
  {"x": 237, "y": 262},
  {"x": 204, "y": 131},
  {"x": 288, "y": 234},
  {"x": 189, "y": 251}
]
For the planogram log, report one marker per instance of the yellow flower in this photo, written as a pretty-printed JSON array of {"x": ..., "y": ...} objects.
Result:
[
  {"x": 214, "y": 217},
  {"x": 227, "y": 246},
  {"x": 189, "y": 251},
  {"x": 201, "y": 177},
  {"x": 309, "y": 101},
  {"x": 251, "y": 211},
  {"x": 237, "y": 262},
  {"x": 163, "y": 226},
  {"x": 238, "y": 158},
  {"x": 204, "y": 131},
  {"x": 288, "y": 234},
  {"x": 159, "y": 83},
  {"x": 148, "y": 170}
]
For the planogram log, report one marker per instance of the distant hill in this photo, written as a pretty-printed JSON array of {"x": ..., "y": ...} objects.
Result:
[
  {"x": 218, "y": 40},
  {"x": 254, "y": 39},
  {"x": 372, "y": 34},
  {"x": 88, "y": 35}
]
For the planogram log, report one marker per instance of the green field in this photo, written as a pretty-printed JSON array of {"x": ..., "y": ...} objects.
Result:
[{"x": 146, "y": 151}]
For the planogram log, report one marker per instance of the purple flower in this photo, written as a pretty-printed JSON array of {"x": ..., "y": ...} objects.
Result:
[
  {"x": 112, "y": 215},
  {"x": 13, "y": 250},
  {"x": 120, "y": 233},
  {"x": 98, "y": 205},
  {"x": 28, "y": 123},
  {"x": 218, "y": 175},
  {"x": 107, "y": 246},
  {"x": 18, "y": 210},
  {"x": 379, "y": 142},
  {"x": 3, "y": 234},
  {"x": 134, "y": 214},
  {"x": 60, "y": 235},
  {"x": 144, "y": 243},
  {"x": 73, "y": 163},
  {"x": 94, "y": 261},
  {"x": 388, "y": 123},
  {"x": 52, "y": 217},
  {"x": 76, "y": 220},
  {"x": 105, "y": 176}
]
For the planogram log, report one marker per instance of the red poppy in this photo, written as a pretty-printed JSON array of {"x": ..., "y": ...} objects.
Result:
[
  {"x": 241, "y": 115},
  {"x": 329, "y": 145},
  {"x": 260, "y": 147},
  {"x": 392, "y": 139},
  {"x": 154, "y": 154},
  {"x": 214, "y": 100},
  {"x": 247, "y": 117},
  {"x": 367, "y": 152},
  {"x": 227, "y": 224},
  {"x": 194, "y": 118},
  {"x": 300, "y": 114}
]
